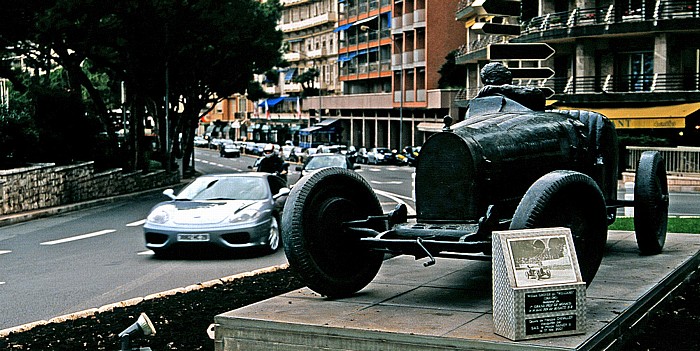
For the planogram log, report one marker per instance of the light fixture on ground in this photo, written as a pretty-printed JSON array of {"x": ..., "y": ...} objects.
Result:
[{"x": 142, "y": 327}]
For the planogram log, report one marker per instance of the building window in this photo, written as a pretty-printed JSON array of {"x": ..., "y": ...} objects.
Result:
[{"x": 638, "y": 69}]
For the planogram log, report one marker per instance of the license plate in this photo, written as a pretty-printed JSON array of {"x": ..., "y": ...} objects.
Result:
[{"x": 193, "y": 237}]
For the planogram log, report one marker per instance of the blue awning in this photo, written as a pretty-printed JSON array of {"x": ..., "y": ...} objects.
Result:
[
  {"x": 271, "y": 102},
  {"x": 289, "y": 74},
  {"x": 343, "y": 27},
  {"x": 347, "y": 57},
  {"x": 308, "y": 130}
]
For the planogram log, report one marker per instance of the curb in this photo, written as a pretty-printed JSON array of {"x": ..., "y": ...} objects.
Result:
[{"x": 135, "y": 301}]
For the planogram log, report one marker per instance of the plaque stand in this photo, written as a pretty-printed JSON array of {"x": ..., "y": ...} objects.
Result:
[{"x": 537, "y": 286}]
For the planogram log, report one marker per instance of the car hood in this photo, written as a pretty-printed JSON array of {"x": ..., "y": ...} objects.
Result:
[{"x": 205, "y": 212}]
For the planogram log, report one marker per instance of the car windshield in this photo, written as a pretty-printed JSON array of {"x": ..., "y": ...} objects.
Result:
[
  {"x": 224, "y": 188},
  {"x": 326, "y": 161}
]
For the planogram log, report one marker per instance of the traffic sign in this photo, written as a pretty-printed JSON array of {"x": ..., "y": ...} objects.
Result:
[
  {"x": 548, "y": 92},
  {"x": 495, "y": 28},
  {"x": 532, "y": 73},
  {"x": 492, "y": 8},
  {"x": 519, "y": 51}
]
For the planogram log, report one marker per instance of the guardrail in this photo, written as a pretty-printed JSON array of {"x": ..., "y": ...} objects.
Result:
[{"x": 681, "y": 160}]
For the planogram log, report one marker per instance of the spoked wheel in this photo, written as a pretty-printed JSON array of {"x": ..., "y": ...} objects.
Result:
[
  {"x": 650, "y": 203},
  {"x": 573, "y": 200},
  {"x": 330, "y": 261},
  {"x": 273, "y": 239}
]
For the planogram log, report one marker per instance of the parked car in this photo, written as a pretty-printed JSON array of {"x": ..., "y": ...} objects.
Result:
[
  {"x": 378, "y": 155},
  {"x": 325, "y": 160},
  {"x": 200, "y": 142},
  {"x": 230, "y": 150},
  {"x": 411, "y": 153},
  {"x": 224, "y": 210}
]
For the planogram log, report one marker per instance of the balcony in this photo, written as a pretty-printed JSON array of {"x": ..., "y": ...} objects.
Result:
[
  {"x": 292, "y": 88},
  {"x": 311, "y": 54},
  {"x": 407, "y": 20},
  {"x": 610, "y": 20},
  {"x": 396, "y": 62},
  {"x": 419, "y": 18},
  {"x": 292, "y": 56},
  {"x": 352, "y": 101},
  {"x": 292, "y": 2},
  {"x": 419, "y": 57},
  {"x": 396, "y": 25},
  {"x": 329, "y": 17},
  {"x": 476, "y": 50}
]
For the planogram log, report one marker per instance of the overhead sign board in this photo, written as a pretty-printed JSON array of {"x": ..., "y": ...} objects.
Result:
[
  {"x": 519, "y": 51},
  {"x": 532, "y": 73}
]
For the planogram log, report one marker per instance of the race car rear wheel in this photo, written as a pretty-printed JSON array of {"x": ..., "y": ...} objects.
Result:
[
  {"x": 573, "y": 200},
  {"x": 330, "y": 261},
  {"x": 650, "y": 203}
]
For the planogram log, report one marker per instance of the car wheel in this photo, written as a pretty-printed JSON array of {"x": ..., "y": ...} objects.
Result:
[
  {"x": 573, "y": 200},
  {"x": 650, "y": 203},
  {"x": 273, "y": 239},
  {"x": 328, "y": 260}
]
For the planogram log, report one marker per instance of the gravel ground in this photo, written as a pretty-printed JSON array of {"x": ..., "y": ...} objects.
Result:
[{"x": 181, "y": 319}]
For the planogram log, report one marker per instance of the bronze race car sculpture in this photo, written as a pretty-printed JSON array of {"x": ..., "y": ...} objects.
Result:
[{"x": 505, "y": 166}]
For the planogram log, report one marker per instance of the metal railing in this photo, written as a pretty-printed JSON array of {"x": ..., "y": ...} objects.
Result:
[
  {"x": 626, "y": 83},
  {"x": 681, "y": 160},
  {"x": 661, "y": 10}
]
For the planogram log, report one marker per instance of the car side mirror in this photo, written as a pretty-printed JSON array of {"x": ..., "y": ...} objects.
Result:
[
  {"x": 283, "y": 192},
  {"x": 169, "y": 193}
]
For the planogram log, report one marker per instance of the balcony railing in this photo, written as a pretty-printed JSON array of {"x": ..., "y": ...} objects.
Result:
[
  {"x": 625, "y": 83},
  {"x": 662, "y": 10},
  {"x": 309, "y": 22},
  {"x": 655, "y": 83}
]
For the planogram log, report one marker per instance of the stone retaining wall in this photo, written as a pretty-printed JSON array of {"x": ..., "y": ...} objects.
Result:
[{"x": 47, "y": 185}]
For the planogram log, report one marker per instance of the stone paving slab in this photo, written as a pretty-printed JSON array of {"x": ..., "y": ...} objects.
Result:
[{"x": 448, "y": 306}]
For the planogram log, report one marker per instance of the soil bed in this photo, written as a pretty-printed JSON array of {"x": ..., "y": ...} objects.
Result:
[{"x": 181, "y": 319}]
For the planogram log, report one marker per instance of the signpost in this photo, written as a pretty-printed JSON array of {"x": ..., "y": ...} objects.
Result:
[
  {"x": 532, "y": 73},
  {"x": 519, "y": 51}
]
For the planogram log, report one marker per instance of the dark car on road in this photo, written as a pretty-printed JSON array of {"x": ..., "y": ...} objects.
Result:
[{"x": 325, "y": 160}]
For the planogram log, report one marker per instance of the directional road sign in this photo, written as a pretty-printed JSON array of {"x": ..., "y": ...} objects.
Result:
[
  {"x": 495, "y": 28},
  {"x": 519, "y": 51},
  {"x": 493, "y": 8},
  {"x": 548, "y": 92},
  {"x": 532, "y": 73}
]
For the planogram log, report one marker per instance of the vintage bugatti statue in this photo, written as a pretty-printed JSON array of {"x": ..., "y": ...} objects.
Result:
[{"x": 505, "y": 166}]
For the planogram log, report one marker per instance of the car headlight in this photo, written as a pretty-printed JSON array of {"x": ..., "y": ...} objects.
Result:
[
  {"x": 245, "y": 216},
  {"x": 158, "y": 217}
]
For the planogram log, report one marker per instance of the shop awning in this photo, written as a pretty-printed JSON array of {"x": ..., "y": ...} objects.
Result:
[
  {"x": 365, "y": 20},
  {"x": 271, "y": 102},
  {"x": 347, "y": 57},
  {"x": 653, "y": 117},
  {"x": 433, "y": 127},
  {"x": 289, "y": 75},
  {"x": 308, "y": 130},
  {"x": 326, "y": 122},
  {"x": 343, "y": 27}
]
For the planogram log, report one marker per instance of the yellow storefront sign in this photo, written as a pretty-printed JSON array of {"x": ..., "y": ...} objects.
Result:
[{"x": 671, "y": 116}]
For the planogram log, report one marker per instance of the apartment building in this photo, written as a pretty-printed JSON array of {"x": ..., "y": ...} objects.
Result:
[
  {"x": 635, "y": 61},
  {"x": 389, "y": 55}
]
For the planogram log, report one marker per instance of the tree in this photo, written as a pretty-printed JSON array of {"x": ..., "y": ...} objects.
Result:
[
  {"x": 179, "y": 51},
  {"x": 306, "y": 80},
  {"x": 451, "y": 74}
]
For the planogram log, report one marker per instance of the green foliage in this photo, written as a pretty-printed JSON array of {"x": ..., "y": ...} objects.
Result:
[
  {"x": 18, "y": 136},
  {"x": 255, "y": 91},
  {"x": 306, "y": 80},
  {"x": 675, "y": 224},
  {"x": 451, "y": 74}
]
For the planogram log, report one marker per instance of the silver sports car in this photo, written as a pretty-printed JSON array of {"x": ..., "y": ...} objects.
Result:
[{"x": 227, "y": 210}]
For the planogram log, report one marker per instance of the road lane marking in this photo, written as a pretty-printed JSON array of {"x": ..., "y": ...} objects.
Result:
[
  {"x": 389, "y": 182},
  {"x": 1, "y": 283},
  {"x": 397, "y": 198},
  {"x": 4, "y": 252},
  {"x": 78, "y": 237},
  {"x": 137, "y": 223},
  {"x": 148, "y": 252}
]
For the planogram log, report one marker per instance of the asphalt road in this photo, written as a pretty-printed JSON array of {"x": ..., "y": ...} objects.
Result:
[
  {"x": 93, "y": 257},
  {"x": 89, "y": 258}
]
